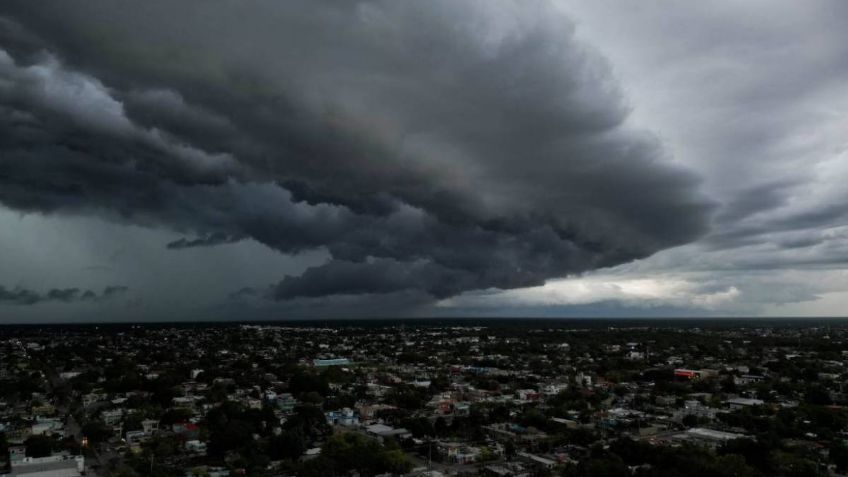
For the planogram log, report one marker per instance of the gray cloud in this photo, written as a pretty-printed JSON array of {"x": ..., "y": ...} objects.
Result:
[
  {"x": 757, "y": 107},
  {"x": 24, "y": 296},
  {"x": 429, "y": 147},
  {"x": 209, "y": 240}
]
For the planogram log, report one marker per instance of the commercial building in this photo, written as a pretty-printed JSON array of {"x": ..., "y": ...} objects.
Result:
[{"x": 56, "y": 465}]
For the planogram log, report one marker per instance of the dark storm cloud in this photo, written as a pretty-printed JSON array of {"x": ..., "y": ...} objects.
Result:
[
  {"x": 431, "y": 147},
  {"x": 245, "y": 292},
  {"x": 113, "y": 290},
  {"x": 24, "y": 296},
  {"x": 209, "y": 240},
  {"x": 380, "y": 276}
]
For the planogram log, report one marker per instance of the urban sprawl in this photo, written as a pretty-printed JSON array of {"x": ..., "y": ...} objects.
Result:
[{"x": 499, "y": 399}]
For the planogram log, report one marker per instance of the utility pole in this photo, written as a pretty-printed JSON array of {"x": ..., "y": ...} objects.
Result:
[{"x": 429, "y": 455}]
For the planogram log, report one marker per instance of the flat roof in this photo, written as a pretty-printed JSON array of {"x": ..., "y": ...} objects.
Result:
[{"x": 713, "y": 434}]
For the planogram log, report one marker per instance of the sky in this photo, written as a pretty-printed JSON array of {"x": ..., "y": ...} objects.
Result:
[{"x": 266, "y": 159}]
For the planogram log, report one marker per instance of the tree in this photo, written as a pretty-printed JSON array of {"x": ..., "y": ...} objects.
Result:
[
  {"x": 309, "y": 421},
  {"x": 509, "y": 450},
  {"x": 96, "y": 431},
  {"x": 303, "y": 382},
  {"x": 39, "y": 446},
  {"x": 343, "y": 453},
  {"x": 4, "y": 444},
  {"x": 175, "y": 415},
  {"x": 236, "y": 434},
  {"x": 419, "y": 426},
  {"x": 690, "y": 420},
  {"x": 818, "y": 395},
  {"x": 611, "y": 466},
  {"x": 289, "y": 444},
  {"x": 755, "y": 452},
  {"x": 839, "y": 455},
  {"x": 407, "y": 397},
  {"x": 440, "y": 427}
]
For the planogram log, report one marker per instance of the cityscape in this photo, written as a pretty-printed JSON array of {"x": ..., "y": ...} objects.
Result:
[
  {"x": 493, "y": 398},
  {"x": 423, "y": 238}
]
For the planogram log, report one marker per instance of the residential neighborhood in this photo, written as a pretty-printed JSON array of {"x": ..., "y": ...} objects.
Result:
[{"x": 443, "y": 398}]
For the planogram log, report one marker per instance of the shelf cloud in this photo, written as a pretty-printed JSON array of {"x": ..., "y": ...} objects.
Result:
[{"x": 428, "y": 147}]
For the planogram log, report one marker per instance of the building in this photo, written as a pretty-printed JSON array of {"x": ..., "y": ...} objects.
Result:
[
  {"x": 707, "y": 437},
  {"x": 346, "y": 417},
  {"x": 747, "y": 379},
  {"x": 286, "y": 402},
  {"x": 48, "y": 427},
  {"x": 56, "y": 465},
  {"x": 739, "y": 403},
  {"x": 383, "y": 431},
  {"x": 695, "y": 373},
  {"x": 320, "y": 363},
  {"x": 509, "y": 469},
  {"x": 457, "y": 453},
  {"x": 195, "y": 446},
  {"x": 150, "y": 426},
  {"x": 537, "y": 461}
]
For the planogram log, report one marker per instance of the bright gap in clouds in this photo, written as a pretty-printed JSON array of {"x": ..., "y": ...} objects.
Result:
[{"x": 627, "y": 291}]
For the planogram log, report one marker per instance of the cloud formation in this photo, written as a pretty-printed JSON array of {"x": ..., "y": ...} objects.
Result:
[
  {"x": 752, "y": 95},
  {"x": 25, "y": 296},
  {"x": 428, "y": 147}
]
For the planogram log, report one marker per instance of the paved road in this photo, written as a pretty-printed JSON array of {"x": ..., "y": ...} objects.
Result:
[{"x": 72, "y": 427}]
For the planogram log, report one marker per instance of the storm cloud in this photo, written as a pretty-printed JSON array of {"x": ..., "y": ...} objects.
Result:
[
  {"x": 430, "y": 147},
  {"x": 25, "y": 296}
]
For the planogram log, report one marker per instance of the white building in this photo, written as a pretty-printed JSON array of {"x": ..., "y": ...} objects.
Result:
[{"x": 56, "y": 465}]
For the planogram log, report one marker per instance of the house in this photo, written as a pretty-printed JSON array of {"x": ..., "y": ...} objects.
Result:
[
  {"x": 554, "y": 389},
  {"x": 508, "y": 469},
  {"x": 527, "y": 395},
  {"x": 135, "y": 439},
  {"x": 320, "y": 363},
  {"x": 695, "y": 408},
  {"x": 539, "y": 462},
  {"x": 286, "y": 402},
  {"x": 112, "y": 417},
  {"x": 48, "y": 427},
  {"x": 195, "y": 446},
  {"x": 150, "y": 426},
  {"x": 568, "y": 423},
  {"x": 345, "y": 417},
  {"x": 740, "y": 403},
  {"x": 69, "y": 374},
  {"x": 457, "y": 453},
  {"x": 187, "y": 430},
  {"x": 747, "y": 379},
  {"x": 91, "y": 398},
  {"x": 45, "y": 409},
  {"x": 382, "y": 431},
  {"x": 695, "y": 373}
]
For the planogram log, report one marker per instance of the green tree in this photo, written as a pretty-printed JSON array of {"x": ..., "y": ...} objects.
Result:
[
  {"x": 839, "y": 455},
  {"x": 288, "y": 445},
  {"x": 96, "y": 431},
  {"x": 39, "y": 446}
]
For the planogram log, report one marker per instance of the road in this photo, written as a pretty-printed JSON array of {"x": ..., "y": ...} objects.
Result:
[{"x": 72, "y": 427}]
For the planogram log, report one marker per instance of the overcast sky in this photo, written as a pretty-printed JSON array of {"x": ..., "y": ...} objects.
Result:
[{"x": 234, "y": 159}]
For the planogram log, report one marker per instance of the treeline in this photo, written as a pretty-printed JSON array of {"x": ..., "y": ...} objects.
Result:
[{"x": 739, "y": 458}]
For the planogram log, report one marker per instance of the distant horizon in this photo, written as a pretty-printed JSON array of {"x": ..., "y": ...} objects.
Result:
[{"x": 436, "y": 321}]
